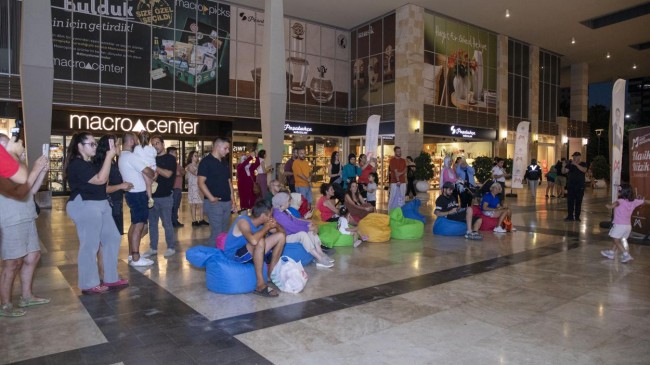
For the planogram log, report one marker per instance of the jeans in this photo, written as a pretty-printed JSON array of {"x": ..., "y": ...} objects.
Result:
[
  {"x": 532, "y": 184},
  {"x": 306, "y": 192},
  {"x": 397, "y": 193},
  {"x": 177, "y": 195},
  {"x": 219, "y": 216},
  {"x": 162, "y": 208}
]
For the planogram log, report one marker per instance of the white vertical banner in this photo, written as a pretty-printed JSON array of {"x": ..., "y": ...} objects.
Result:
[
  {"x": 372, "y": 134},
  {"x": 617, "y": 131},
  {"x": 520, "y": 159}
]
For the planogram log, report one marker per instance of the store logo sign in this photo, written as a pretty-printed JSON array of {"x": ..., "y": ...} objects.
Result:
[
  {"x": 99, "y": 8},
  {"x": 299, "y": 129},
  {"x": 465, "y": 133},
  {"x": 119, "y": 124}
]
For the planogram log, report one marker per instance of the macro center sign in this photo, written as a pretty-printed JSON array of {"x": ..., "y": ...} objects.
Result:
[{"x": 127, "y": 124}]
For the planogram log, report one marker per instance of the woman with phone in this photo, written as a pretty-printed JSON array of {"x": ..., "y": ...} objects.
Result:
[{"x": 89, "y": 209}]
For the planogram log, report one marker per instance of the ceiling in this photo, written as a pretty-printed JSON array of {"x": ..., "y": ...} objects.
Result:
[{"x": 549, "y": 24}]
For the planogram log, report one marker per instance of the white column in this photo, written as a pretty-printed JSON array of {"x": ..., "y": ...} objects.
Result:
[
  {"x": 36, "y": 75},
  {"x": 273, "y": 88},
  {"x": 579, "y": 91}
]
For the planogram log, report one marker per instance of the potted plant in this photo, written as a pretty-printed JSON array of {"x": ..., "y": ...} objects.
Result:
[
  {"x": 483, "y": 168},
  {"x": 600, "y": 171},
  {"x": 423, "y": 173}
]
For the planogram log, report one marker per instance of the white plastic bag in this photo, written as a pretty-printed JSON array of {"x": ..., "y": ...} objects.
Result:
[{"x": 289, "y": 275}]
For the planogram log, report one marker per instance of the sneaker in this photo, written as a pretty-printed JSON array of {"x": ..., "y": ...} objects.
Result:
[
  {"x": 626, "y": 257},
  {"x": 608, "y": 253},
  {"x": 142, "y": 262},
  {"x": 513, "y": 229},
  {"x": 477, "y": 236},
  {"x": 129, "y": 259},
  {"x": 568, "y": 219},
  {"x": 357, "y": 243},
  {"x": 121, "y": 283},
  {"x": 499, "y": 230},
  {"x": 324, "y": 263},
  {"x": 150, "y": 252},
  {"x": 28, "y": 302},
  {"x": 204, "y": 223},
  {"x": 169, "y": 252},
  {"x": 8, "y": 310},
  {"x": 96, "y": 290},
  {"x": 178, "y": 224},
  {"x": 330, "y": 259},
  {"x": 577, "y": 220},
  {"x": 195, "y": 224}
]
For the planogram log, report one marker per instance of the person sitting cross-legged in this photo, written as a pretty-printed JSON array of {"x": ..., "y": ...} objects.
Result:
[
  {"x": 251, "y": 238},
  {"x": 447, "y": 206}
]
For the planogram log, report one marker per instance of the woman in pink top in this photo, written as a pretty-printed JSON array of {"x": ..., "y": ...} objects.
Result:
[
  {"x": 621, "y": 227},
  {"x": 325, "y": 205}
]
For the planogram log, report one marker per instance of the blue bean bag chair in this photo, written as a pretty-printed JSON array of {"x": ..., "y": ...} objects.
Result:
[
  {"x": 298, "y": 253},
  {"x": 223, "y": 275},
  {"x": 446, "y": 227},
  {"x": 411, "y": 210}
]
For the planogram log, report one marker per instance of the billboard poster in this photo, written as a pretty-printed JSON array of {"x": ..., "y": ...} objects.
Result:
[
  {"x": 639, "y": 177},
  {"x": 460, "y": 63},
  {"x": 617, "y": 120},
  {"x": 521, "y": 155}
]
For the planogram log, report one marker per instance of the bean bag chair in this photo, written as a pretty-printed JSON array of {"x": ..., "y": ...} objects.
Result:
[
  {"x": 221, "y": 240},
  {"x": 316, "y": 217},
  {"x": 487, "y": 223},
  {"x": 446, "y": 227},
  {"x": 297, "y": 252},
  {"x": 376, "y": 226},
  {"x": 223, "y": 275},
  {"x": 330, "y": 236},
  {"x": 412, "y": 210},
  {"x": 402, "y": 228}
]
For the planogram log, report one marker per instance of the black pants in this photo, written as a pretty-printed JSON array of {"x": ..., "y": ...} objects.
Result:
[
  {"x": 410, "y": 187},
  {"x": 292, "y": 188},
  {"x": 118, "y": 215},
  {"x": 574, "y": 201}
]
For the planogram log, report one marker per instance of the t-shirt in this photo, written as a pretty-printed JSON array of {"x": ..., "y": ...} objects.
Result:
[
  {"x": 343, "y": 225},
  {"x": 131, "y": 167},
  {"x": 288, "y": 167},
  {"x": 217, "y": 174},
  {"x": 496, "y": 170},
  {"x": 623, "y": 212},
  {"x": 8, "y": 165},
  {"x": 446, "y": 203},
  {"x": 398, "y": 164},
  {"x": 365, "y": 173},
  {"x": 165, "y": 184},
  {"x": 147, "y": 153},
  {"x": 79, "y": 173},
  {"x": 493, "y": 201},
  {"x": 301, "y": 167},
  {"x": 575, "y": 177},
  {"x": 371, "y": 197}
]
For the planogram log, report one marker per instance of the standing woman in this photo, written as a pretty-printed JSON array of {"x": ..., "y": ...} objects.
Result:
[
  {"x": 410, "y": 177},
  {"x": 366, "y": 169},
  {"x": 351, "y": 170},
  {"x": 89, "y": 209},
  {"x": 246, "y": 180},
  {"x": 262, "y": 171},
  {"x": 334, "y": 169},
  {"x": 499, "y": 174},
  {"x": 194, "y": 195}
]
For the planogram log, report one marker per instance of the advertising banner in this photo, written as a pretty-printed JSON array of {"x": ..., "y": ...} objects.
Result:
[
  {"x": 617, "y": 118},
  {"x": 639, "y": 177},
  {"x": 520, "y": 160},
  {"x": 372, "y": 133}
]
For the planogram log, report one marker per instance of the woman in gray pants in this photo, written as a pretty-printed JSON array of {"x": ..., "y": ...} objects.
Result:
[{"x": 89, "y": 209}]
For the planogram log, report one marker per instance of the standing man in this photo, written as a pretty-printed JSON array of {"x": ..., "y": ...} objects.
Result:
[
  {"x": 163, "y": 201},
  {"x": 215, "y": 182},
  {"x": 132, "y": 168},
  {"x": 288, "y": 171},
  {"x": 575, "y": 186},
  {"x": 302, "y": 175},
  {"x": 177, "y": 193},
  {"x": 397, "y": 167},
  {"x": 533, "y": 175},
  {"x": 465, "y": 174}
]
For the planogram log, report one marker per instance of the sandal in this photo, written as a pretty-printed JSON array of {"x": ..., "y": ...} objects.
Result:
[
  {"x": 266, "y": 292},
  {"x": 33, "y": 300},
  {"x": 99, "y": 289},
  {"x": 8, "y": 310}
]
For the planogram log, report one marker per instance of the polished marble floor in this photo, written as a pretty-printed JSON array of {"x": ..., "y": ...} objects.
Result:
[{"x": 541, "y": 295}]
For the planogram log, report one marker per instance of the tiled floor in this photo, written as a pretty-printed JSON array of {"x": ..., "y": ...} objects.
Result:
[{"x": 541, "y": 295}]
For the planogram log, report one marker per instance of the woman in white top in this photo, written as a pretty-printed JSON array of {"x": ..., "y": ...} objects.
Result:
[
  {"x": 499, "y": 174},
  {"x": 262, "y": 170}
]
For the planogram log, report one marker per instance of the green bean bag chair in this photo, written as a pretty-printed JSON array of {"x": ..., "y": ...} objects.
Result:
[
  {"x": 331, "y": 237},
  {"x": 403, "y": 228}
]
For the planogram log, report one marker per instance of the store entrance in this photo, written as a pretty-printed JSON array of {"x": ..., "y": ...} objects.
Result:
[
  {"x": 385, "y": 146},
  {"x": 439, "y": 147}
]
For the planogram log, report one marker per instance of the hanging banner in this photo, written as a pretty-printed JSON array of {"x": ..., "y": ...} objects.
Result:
[
  {"x": 372, "y": 133},
  {"x": 617, "y": 118},
  {"x": 520, "y": 160},
  {"x": 639, "y": 177}
]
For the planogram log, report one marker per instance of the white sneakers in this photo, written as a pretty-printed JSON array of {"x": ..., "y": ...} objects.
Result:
[
  {"x": 150, "y": 252},
  {"x": 499, "y": 230},
  {"x": 625, "y": 257},
  {"x": 608, "y": 253},
  {"x": 142, "y": 262},
  {"x": 325, "y": 262},
  {"x": 169, "y": 252}
]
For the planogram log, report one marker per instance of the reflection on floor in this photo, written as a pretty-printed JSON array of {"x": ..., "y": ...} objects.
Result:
[{"x": 540, "y": 295}]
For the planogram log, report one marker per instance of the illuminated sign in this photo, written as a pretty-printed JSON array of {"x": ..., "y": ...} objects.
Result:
[
  {"x": 465, "y": 133},
  {"x": 299, "y": 129},
  {"x": 120, "y": 124}
]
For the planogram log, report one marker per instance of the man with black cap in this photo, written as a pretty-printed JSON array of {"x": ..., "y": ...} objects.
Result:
[
  {"x": 575, "y": 170},
  {"x": 447, "y": 206}
]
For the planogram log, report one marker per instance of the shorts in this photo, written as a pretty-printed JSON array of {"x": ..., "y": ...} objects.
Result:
[
  {"x": 460, "y": 216},
  {"x": 138, "y": 203},
  {"x": 561, "y": 180},
  {"x": 18, "y": 240},
  {"x": 243, "y": 256},
  {"x": 620, "y": 231}
]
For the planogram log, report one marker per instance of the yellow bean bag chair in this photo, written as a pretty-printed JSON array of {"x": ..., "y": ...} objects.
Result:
[
  {"x": 376, "y": 227},
  {"x": 315, "y": 217}
]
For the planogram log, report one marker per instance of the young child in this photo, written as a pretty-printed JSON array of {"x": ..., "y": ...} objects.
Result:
[
  {"x": 148, "y": 154},
  {"x": 621, "y": 227},
  {"x": 371, "y": 189},
  {"x": 344, "y": 226}
]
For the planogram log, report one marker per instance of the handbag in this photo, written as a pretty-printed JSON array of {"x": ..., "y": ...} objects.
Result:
[
  {"x": 289, "y": 276},
  {"x": 507, "y": 224}
]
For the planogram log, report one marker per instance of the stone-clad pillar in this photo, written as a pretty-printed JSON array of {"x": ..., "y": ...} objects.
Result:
[
  {"x": 533, "y": 99},
  {"x": 502, "y": 94},
  {"x": 409, "y": 86},
  {"x": 579, "y": 91},
  {"x": 36, "y": 75},
  {"x": 273, "y": 88}
]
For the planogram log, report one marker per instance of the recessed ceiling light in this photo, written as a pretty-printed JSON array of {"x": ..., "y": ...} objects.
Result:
[
  {"x": 634, "y": 66},
  {"x": 627, "y": 116},
  {"x": 573, "y": 40},
  {"x": 608, "y": 55},
  {"x": 507, "y": 13}
]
